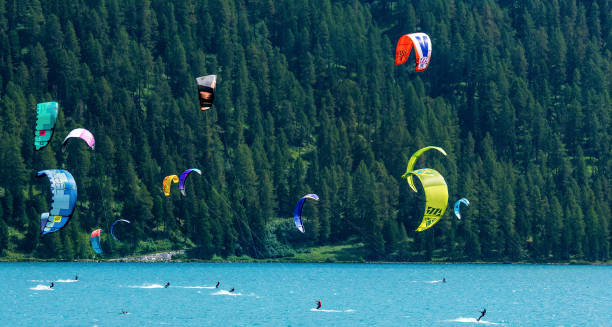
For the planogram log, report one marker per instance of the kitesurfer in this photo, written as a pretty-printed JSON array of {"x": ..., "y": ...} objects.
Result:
[
  {"x": 482, "y": 313},
  {"x": 217, "y": 285},
  {"x": 318, "y": 304},
  {"x": 443, "y": 279},
  {"x": 52, "y": 284},
  {"x": 167, "y": 284},
  {"x": 76, "y": 277},
  {"x": 231, "y": 290},
  {"x": 123, "y": 312}
]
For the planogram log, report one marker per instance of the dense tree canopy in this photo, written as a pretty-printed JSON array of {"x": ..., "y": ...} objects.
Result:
[{"x": 309, "y": 101}]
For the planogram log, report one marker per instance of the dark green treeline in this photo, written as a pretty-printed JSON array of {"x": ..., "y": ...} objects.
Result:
[{"x": 309, "y": 100}]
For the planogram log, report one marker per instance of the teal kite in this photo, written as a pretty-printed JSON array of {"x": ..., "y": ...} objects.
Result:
[{"x": 46, "y": 117}]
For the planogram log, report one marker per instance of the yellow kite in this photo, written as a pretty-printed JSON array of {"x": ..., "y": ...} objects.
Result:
[
  {"x": 436, "y": 196},
  {"x": 413, "y": 160},
  {"x": 168, "y": 182}
]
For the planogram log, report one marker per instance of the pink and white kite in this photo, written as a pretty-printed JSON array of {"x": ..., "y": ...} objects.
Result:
[{"x": 83, "y": 134}]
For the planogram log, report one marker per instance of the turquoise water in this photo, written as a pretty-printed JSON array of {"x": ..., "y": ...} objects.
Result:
[{"x": 269, "y": 294}]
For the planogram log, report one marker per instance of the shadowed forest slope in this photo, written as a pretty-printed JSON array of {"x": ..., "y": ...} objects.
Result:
[{"x": 309, "y": 101}]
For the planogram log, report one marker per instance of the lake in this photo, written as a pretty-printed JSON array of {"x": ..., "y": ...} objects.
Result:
[{"x": 277, "y": 294}]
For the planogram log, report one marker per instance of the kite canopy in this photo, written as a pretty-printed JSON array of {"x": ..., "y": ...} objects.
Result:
[
  {"x": 297, "y": 212},
  {"x": 206, "y": 90},
  {"x": 63, "y": 200},
  {"x": 95, "y": 241},
  {"x": 46, "y": 116},
  {"x": 458, "y": 205},
  {"x": 83, "y": 134},
  {"x": 184, "y": 177},
  {"x": 422, "y": 50},
  {"x": 413, "y": 160},
  {"x": 112, "y": 229},
  {"x": 436, "y": 196},
  {"x": 168, "y": 180}
]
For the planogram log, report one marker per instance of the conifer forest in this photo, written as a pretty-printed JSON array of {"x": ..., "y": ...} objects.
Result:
[{"x": 308, "y": 99}]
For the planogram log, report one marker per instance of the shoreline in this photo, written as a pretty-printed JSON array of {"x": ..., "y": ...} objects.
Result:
[
  {"x": 166, "y": 257},
  {"x": 340, "y": 253}
]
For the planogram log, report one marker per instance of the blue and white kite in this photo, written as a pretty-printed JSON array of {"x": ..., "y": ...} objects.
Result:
[
  {"x": 457, "y": 206},
  {"x": 112, "y": 229},
  {"x": 64, "y": 197},
  {"x": 297, "y": 212}
]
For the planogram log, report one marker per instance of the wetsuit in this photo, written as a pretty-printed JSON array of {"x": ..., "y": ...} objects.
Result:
[
  {"x": 76, "y": 277},
  {"x": 217, "y": 285},
  {"x": 482, "y": 313},
  {"x": 167, "y": 284},
  {"x": 443, "y": 280},
  {"x": 318, "y": 304},
  {"x": 51, "y": 285},
  {"x": 231, "y": 290}
]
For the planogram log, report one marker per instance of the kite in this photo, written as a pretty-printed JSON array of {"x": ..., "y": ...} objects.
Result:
[
  {"x": 458, "y": 205},
  {"x": 64, "y": 197},
  {"x": 83, "y": 134},
  {"x": 206, "y": 90},
  {"x": 95, "y": 241},
  {"x": 112, "y": 229},
  {"x": 422, "y": 50},
  {"x": 413, "y": 160},
  {"x": 184, "y": 177},
  {"x": 46, "y": 116},
  {"x": 436, "y": 196},
  {"x": 297, "y": 212},
  {"x": 168, "y": 180}
]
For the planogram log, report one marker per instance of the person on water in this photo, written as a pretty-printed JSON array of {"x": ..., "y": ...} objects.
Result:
[
  {"x": 443, "y": 279},
  {"x": 231, "y": 290},
  {"x": 217, "y": 285},
  {"x": 482, "y": 313},
  {"x": 76, "y": 277},
  {"x": 318, "y": 304},
  {"x": 123, "y": 312},
  {"x": 52, "y": 284},
  {"x": 167, "y": 284}
]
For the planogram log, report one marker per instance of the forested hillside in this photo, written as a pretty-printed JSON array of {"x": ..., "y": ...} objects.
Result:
[{"x": 309, "y": 100}]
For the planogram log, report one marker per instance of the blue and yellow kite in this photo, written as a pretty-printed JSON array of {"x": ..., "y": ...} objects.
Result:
[{"x": 64, "y": 197}]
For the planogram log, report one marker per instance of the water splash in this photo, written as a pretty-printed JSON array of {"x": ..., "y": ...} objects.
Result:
[
  {"x": 472, "y": 320},
  {"x": 147, "y": 286}
]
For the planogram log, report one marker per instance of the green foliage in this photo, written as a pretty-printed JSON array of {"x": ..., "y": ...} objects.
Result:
[{"x": 308, "y": 101}]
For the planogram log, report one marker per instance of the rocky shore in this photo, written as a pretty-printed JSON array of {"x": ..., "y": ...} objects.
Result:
[{"x": 155, "y": 257}]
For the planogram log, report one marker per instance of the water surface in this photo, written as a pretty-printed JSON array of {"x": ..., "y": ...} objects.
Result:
[{"x": 270, "y": 294}]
